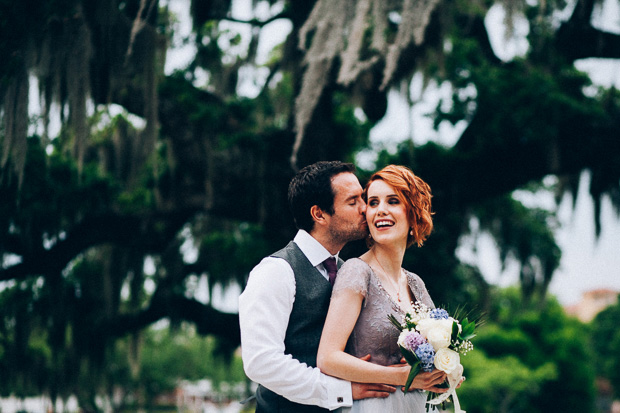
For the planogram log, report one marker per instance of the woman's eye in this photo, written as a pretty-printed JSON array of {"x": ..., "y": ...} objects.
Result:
[
  {"x": 394, "y": 201},
  {"x": 372, "y": 203}
]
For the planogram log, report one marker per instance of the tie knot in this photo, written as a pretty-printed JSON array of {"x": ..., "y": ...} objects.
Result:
[{"x": 332, "y": 268}]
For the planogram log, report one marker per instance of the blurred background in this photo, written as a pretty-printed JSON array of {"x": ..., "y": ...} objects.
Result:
[{"x": 146, "y": 149}]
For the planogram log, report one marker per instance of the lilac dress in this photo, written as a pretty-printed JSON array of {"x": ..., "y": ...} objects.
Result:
[{"x": 374, "y": 334}]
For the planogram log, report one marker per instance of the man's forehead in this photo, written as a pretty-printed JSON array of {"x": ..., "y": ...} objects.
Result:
[{"x": 346, "y": 183}]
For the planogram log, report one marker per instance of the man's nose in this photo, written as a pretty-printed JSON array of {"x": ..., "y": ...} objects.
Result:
[{"x": 363, "y": 208}]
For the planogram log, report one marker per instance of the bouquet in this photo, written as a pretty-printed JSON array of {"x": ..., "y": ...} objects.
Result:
[{"x": 431, "y": 339}]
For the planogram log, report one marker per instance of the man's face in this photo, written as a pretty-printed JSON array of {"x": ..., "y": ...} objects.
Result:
[{"x": 348, "y": 222}]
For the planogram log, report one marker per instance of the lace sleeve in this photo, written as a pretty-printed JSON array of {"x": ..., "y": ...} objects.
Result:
[{"x": 353, "y": 275}]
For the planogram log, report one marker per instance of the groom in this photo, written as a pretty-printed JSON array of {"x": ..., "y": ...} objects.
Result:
[{"x": 283, "y": 307}]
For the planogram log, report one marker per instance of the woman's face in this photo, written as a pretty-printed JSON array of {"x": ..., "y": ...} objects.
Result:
[{"x": 386, "y": 214}]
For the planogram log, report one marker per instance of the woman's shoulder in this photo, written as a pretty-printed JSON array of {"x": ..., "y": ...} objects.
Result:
[
  {"x": 353, "y": 275},
  {"x": 356, "y": 261},
  {"x": 411, "y": 276},
  {"x": 356, "y": 266}
]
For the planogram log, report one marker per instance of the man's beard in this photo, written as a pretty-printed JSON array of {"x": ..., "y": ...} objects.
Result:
[{"x": 346, "y": 235}]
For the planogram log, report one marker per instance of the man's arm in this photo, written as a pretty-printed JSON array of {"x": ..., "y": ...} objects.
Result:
[{"x": 264, "y": 310}]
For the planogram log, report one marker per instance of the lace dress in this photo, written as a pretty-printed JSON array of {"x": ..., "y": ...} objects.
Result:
[{"x": 374, "y": 334}]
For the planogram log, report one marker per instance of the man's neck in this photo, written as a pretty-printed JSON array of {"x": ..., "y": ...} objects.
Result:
[{"x": 326, "y": 241}]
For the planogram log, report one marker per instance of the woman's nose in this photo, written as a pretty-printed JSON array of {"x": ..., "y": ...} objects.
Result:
[{"x": 381, "y": 208}]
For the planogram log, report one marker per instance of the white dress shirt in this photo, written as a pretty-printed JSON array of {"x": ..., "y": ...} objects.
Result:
[{"x": 264, "y": 310}]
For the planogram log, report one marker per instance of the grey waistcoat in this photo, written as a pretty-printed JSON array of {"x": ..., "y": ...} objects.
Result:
[{"x": 312, "y": 295}]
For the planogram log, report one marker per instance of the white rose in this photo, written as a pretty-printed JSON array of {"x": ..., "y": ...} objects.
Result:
[
  {"x": 447, "y": 360},
  {"x": 439, "y": 337},
  {"x": 424, "y": 326}
]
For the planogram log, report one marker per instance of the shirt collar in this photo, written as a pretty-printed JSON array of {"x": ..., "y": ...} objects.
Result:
[{"x": 312, "y": 249}]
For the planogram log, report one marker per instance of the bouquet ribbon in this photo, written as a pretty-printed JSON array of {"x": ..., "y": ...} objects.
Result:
[{"x": 454, "y": 379}]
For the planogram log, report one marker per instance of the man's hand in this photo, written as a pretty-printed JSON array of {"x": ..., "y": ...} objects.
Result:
[{"x": 368, "y": 390}]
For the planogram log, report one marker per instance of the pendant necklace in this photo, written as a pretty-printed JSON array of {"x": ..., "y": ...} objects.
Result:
[{"x": 397, "y": 286}]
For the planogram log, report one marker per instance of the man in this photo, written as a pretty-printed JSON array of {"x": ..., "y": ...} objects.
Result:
[{"x": 283, "y": 307}]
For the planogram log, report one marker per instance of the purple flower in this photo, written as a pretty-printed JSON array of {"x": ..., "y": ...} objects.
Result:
[
  {"x": 439, "y": 314},
  {"x": 410, "y": 340},
  {"x": 426, "y": 355}
]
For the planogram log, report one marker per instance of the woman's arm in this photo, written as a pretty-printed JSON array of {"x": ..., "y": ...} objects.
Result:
[{"x": 343, "y": 312}]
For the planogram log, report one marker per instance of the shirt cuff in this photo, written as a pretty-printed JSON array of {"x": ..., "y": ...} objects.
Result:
[{"x": 339, "y": 393}]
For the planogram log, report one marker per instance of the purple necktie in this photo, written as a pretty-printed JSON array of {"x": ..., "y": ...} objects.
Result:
[{"x": 332, "y": 268}]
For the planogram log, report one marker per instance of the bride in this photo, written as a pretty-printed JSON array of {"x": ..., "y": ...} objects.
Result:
[{"x": 369, "y": 288}]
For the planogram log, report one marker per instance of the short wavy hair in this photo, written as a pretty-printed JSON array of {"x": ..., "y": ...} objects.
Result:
[
  {"x": 313, "y": 186},
  {"x": 415, "y": 194}
]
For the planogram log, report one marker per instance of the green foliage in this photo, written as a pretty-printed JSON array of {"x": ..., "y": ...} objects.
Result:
[
  {"x": 214, "y": 175},
  {"x": 606, "y": 343},
  {"x": 168, "y": 357},
  {"x": 52, "y": 197},
  {"x": 504, "y": 384},
  {"x": 351, "y": 129},
  {"x": 529, "y": 359},
  {"x": 24, "y": 350},
  {"x": 525, "y": 234},
  {"x": 229, "y": 252}
]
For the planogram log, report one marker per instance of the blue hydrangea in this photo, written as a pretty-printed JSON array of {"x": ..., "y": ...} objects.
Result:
[
  {"x": 439, "y": 314},
  {"x": 427, "y": 366},
  {"x": 426, "y": 355}
]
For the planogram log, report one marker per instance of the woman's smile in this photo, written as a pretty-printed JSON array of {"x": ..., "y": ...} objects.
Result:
[{"x": 386, "y": 214}]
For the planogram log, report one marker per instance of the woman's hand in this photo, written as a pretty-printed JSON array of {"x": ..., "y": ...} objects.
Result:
[{"x": 429, "y": 381}]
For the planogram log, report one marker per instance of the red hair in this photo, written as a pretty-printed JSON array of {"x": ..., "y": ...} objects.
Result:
[{"x": 414, "y": 193}]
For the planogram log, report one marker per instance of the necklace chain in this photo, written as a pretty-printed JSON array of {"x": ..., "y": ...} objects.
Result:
[{"x": 397, "y": 288}]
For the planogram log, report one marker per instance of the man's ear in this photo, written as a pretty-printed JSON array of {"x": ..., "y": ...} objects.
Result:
[{"x": 318, "y": 215}]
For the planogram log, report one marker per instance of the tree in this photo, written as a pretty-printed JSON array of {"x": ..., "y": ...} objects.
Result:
[
  {"x": 83, "y": 211},
  {"x": 606, "y": 342},
  {"x": 529, "y": 358},
  {"x": 170, "y": 357}
]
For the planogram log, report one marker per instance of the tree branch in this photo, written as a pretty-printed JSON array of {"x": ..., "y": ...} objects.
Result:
[
  {"x": 151, "y": 232},
  {"x": 256, "y": 22},
  {"x": 208, "y": 320},
  {"x": 577, "y": 39}
]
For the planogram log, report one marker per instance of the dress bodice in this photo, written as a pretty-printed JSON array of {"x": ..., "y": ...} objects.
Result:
[{"x": 373, "y": 333}]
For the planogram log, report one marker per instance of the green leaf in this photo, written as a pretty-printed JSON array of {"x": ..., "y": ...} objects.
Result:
[
  {"x": 415, "y": 369},
  {"x": 467, "y": 332},
  {"x": 455, "y": 331},
  {"x": 396, "y": 323}
]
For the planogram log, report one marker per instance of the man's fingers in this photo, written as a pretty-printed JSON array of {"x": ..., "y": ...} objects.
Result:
[
  {"x": 367, "y": 390},
  {"x": 366, "y": 357},
  {"x": 376, "y": 394},
  {"x": 384, "y": 388}
]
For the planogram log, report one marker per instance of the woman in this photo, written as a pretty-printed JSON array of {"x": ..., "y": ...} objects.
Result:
[{"x": 371, "y": 287}]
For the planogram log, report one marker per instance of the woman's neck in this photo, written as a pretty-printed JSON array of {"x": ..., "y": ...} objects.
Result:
[
  {"x": 389, "y": 259},
  {"x": 387, "y": 263}
]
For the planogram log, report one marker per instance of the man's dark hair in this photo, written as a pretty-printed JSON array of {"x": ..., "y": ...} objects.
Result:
[{"x": 312, "y": 186}]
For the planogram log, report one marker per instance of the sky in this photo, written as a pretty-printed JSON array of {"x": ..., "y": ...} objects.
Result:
[{"x": 587, "y": 262}]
